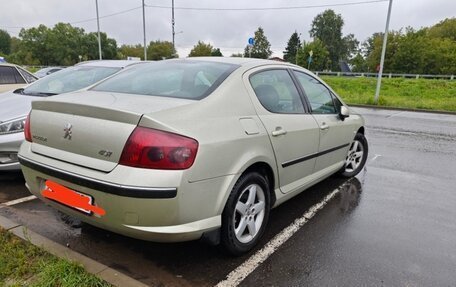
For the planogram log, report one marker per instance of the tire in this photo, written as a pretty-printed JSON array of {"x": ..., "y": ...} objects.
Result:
[
  {"x": 246, "y": 214},
  {"x": 356, "y": 157}
]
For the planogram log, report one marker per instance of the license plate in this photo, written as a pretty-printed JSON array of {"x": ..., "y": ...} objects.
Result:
[{"x": 70, "y": 198}]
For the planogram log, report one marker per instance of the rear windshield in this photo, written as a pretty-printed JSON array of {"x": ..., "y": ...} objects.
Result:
[
  {"x": 175, "y": 78},
  {"x": 69, "y": 80}
]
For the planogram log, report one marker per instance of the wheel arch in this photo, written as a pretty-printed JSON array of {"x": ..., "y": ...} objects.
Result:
[
  {"x": 266, "y": 170},
  {"x": 361, "y": 130}
]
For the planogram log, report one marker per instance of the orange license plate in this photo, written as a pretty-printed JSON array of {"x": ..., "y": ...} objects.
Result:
[{"x": 70, "y": 198}]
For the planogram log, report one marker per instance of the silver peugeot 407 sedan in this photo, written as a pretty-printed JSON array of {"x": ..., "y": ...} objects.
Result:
[{"x": 190, "y": 148}]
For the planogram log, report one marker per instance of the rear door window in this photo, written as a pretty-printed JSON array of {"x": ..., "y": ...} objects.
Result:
[
  {"x": 9, "y": 75},
  {"x": 276, "y": 92}
]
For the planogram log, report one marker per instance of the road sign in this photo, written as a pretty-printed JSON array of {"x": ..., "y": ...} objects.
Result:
[{"x": 251, "y": 41}]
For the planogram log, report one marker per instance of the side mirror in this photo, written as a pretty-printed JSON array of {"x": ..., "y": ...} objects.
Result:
[{"x": 344, "y": 113}]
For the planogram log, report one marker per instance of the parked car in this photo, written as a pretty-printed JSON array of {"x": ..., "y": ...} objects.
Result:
[
  {"x": 15, "y": 105},
  {"x": 13, "y": 77},
  {"x": 47, "y": 71},
  {"x": 190, "y": 148}
]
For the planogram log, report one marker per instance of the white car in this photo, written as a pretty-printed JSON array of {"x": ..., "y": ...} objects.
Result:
[
  {"x": 16, "y": 104},
  {"x": 187, "y": 149},
  {"x": 13, "y": 77}
]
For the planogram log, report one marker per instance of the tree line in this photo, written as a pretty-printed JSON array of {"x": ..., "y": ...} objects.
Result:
[{"x": 429, "y": 50}]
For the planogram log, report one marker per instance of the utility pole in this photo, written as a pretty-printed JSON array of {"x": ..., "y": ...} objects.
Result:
[
  {"x": 172, "y": 22},
  {"x": 144, "y": 30},
  {"x": 98, "y": 25},
  {"x": 382, "y": 60}
]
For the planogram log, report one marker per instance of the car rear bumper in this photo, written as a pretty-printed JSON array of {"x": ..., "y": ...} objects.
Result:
[
  {"x": 9, "y": 147},
  {"x": 173, "y": 210}
]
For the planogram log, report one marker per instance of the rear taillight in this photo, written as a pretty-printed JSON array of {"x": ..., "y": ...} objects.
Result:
[
  {"x": 27, "y": 132},
  {"x": 149, "y": 148}
]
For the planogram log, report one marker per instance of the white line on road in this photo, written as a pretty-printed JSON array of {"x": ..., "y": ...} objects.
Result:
[
  {"x": 375, "y": 157},
  {"x": 242, "y": 271},
  {"x": 20, "y": 200}
]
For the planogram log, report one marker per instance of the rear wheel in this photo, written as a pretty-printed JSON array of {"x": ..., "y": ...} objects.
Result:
[
  {"x": 356, "y": 157},
  {"x": 246, "y": 213}
]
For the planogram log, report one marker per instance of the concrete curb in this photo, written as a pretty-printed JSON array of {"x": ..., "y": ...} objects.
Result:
[
  {"x": 401, "y": 109},
  {"x": 96, "y": 268}
]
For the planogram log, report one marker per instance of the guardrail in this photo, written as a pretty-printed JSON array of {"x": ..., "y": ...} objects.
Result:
[{"x": 385, "y": 75}]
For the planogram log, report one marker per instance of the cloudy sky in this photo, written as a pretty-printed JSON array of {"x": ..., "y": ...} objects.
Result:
[{"x": 225, "y": 29}]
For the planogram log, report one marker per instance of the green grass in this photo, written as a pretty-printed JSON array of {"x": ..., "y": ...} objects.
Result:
[
  {"x": 23, "y": 264},
  {"x": 397, "y": 92}
]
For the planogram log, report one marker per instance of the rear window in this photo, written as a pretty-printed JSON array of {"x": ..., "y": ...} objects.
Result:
[
  {"x": 176, "y": 79},
  {"x": 69, "y": 80}
]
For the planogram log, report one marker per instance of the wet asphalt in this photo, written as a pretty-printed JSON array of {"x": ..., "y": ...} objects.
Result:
[{"x": 392, "y": 225}]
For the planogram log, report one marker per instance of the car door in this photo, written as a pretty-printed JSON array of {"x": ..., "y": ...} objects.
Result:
[
  {"x": 335, "y": 134},
  {"x": 293, "y": 133}
]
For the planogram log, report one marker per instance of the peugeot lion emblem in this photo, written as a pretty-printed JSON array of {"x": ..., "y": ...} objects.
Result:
[{"x": 67, "y": 131}]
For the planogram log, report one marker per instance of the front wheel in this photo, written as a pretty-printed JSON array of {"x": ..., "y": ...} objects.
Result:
[
  {"x": 246, "y": 213},
  {"x": 356, "y": 157}
]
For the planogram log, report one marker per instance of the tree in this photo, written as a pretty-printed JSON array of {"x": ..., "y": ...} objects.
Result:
[
  {"x": 90, "y": 50},
  {"x": 159, "y": 50},
  {"x": 444, "y": 29},
  {"x": 320, "y": 59},
  {"x": 327, "y": 27},
  {"x": 5, "y": 42},
  {"x": 216, "y": 53},
  {"x": 201, "y": 49},
  {"x": 131, "y": 51},
  {"x": 350, "y": 48},
  {"x": 261, "y": 48},
  {"x": 63, "y": 43},
  {"x": 33, "y": 48},
  {"x": 358, "y": 63},
  {"x": 60, "y": 45},
  {"x": 294, "y": 43}
]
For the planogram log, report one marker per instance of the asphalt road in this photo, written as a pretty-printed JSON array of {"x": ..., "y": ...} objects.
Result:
[{"x": 392, "y": 225}]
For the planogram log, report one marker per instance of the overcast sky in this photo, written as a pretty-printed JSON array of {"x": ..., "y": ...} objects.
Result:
[{"x": 227, "y": 30}]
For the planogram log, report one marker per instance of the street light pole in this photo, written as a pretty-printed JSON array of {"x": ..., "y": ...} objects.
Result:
[
  {"x": 144, "y": 30},
  {"x": 382, "y": 60},
  {"x": 98, "y": 25}
]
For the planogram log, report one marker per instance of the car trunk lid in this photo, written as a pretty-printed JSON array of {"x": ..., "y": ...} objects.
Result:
[{"x": 90, "y": 135}]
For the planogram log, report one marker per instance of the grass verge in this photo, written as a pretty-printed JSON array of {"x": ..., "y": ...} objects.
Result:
[
  {"x": 424, "y": 94},
  {"x": 23, "y": 264}
]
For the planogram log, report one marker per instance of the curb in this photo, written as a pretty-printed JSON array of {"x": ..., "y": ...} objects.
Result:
[
  {"x": 96, "y": 268},
  {"x": 402, "y": 109}
]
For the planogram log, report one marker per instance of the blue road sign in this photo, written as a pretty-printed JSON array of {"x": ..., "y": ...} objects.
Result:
[{"x": 251, "y": 41}]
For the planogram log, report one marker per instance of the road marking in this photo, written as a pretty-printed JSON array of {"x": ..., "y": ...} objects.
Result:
[
  {"x": 242, "y": 271},
  {"x": 20, "y": 200},
  {"x": 375, "y": 157}
]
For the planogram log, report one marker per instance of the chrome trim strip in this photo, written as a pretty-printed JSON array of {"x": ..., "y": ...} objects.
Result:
[
  {"x": 307, "y": 157},
  {"x": 103, "y": 186}
]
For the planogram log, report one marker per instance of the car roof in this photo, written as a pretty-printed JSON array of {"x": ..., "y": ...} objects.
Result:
[
  {"x": 8, "y": 65},
  {"x": 110, "y": 63},
  {"x": 243, "y": 62}
]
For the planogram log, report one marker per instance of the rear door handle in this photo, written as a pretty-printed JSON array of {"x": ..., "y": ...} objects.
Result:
[
  {"x": 324, "y": 127},
  {"x": 278, "y": 132}
]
